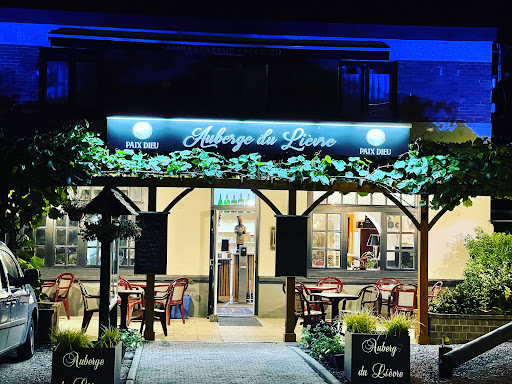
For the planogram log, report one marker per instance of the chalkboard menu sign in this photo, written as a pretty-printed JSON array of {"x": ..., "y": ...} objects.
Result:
[
  {"x": 291, "y": 245},
  {"x": 151, "y": 246}
]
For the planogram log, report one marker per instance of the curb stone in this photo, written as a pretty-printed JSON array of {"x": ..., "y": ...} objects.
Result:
[
  {"x": 317, "y": 367},
  {"x": 132, "y": 373}
]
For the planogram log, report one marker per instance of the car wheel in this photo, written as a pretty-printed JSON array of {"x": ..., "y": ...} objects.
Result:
[{"x": 26, "y": 350}]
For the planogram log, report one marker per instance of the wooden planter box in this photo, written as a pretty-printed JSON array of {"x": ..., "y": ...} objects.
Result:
[
  {"x": 462, "y": 328},
  {"x": 377, "y": 358},
  {"x": 87, "y": 365}
]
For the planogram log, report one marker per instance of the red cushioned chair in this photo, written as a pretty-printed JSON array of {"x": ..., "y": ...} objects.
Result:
[
  {"x": 404, "y": 298},
  {"x": 386, "y": 285},
  {"x": 333, "y": 282}
]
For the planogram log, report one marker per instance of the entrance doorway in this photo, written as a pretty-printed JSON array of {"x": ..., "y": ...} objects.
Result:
[{"x": 234, "y": 257}]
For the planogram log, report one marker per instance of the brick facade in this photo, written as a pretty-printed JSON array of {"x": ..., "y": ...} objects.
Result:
[
  {"x": 463, "y": 328},
  {"x": 19, "y": 73},
  {"x": 444, "y": 91}
]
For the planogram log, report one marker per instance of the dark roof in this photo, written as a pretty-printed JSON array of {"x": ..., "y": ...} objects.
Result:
[{"x": 112, "y": 201}]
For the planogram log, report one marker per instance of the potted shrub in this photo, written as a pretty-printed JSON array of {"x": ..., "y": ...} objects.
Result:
[
  {"x": 324, "y": 342},
  {"x": 77, "y": 359},
  {"x": 377, "y": 357},
  {"x": 74, "y": 207}
]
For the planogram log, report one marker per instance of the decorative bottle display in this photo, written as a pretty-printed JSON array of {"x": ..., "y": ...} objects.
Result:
[
  {"x": 241, "y": 200},
  {"x": 220, "y": 200},
  {"x": 249, "y": 201},
  {"x": 226, "y": 202},
  {"x": 234, "y": 201}
]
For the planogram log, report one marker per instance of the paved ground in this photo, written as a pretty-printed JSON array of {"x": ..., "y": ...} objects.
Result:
[{"x": 238, "y": 363}]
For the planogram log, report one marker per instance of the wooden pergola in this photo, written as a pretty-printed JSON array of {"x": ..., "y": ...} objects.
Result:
[{"x": 423, "y": 225}]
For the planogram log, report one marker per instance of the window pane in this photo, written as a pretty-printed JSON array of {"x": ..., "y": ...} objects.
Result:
[
  {"x": 333, "y": 240},
  {"x": 350, "y": 198},
  {"x": 393, "y": 223},
  {"x": 378, "y": 199},
  {"x": 364, "y": 200},
  {"x": 351, "y": 86},
  {"x": 392, "y": 260},
  {"x": 378, "y": 94},
  {"x": 57, "y": 86},
  {"x": 131, "y": 252},
  {"x": 92, "y": 256},
  {"x": 334, "y": 222},
  {"x": 123, "y": 256},
  {"x": 409, "y": 200},
  {"x": 318, "y": 221},
  {"x": 318, "y": 240},
  {"x": 60, "y": 256},
  {"x": 61, "y": 236},
  {"x": 407, "y": 259},
  {"x": 407, "y": 224},
  {"x": 393, "y": 241},
  {"x": 407, "y": 241},
  {"x": 335, "y": 198},
  {"x": 72, "y": 237},
  {"x": 333, "y": 259},
  {"x": 318, "y": 258},
  {"x": 61, "y": 221},
  {"x": 72, "y": 256},
  {"x": 40, "y": 236}
]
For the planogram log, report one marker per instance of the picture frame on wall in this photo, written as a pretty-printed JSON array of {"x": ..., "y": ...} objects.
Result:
[{"x": 273, "y": 238}]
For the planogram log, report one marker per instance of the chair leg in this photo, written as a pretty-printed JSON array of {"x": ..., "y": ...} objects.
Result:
[
  {"x": 182, "y": 313},
  {"x": 66, "y": 307},
  {"x": 142, "y": 322},
  {"x": 162, "y": 317},
  {"x": 87, "y": 319}
]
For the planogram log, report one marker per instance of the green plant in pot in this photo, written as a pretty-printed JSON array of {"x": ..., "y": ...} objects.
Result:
[
  {"x": 373, "y": 356},
  {"x": 106, "y": 231},
  {"x": 78, "y": 359},
  {"x": 324, "y": 342}
]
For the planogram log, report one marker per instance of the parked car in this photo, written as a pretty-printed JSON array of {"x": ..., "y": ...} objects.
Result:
[{"x": 18, "y": 306}]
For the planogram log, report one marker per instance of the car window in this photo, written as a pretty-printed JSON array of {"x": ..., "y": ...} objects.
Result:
[
  {"x": 11, "y": 269},
  {"x": 3, "y": 281}
]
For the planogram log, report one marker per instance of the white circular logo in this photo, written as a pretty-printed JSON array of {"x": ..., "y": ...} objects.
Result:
[
  {"x": 142, "y": 130},
  {"x": 375, "y": 137}
]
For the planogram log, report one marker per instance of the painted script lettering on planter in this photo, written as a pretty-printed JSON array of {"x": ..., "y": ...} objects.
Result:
[
  {"x": 379, "y": 371},
  {"x": 72, "y": 358},
  {"x": 81, "y": 380},
  {"x": 371, "y": 345}
]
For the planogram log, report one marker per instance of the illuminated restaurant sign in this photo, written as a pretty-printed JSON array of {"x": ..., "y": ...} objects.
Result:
[{"x": 272, "y": 138}]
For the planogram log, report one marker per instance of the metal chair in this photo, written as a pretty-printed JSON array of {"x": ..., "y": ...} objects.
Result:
[
  {"x": 435, "y": 290},
  {"x": 62, "y": 287},
  {"x": 133, "y": 300},
  {"x": 403, "y": 298},
  {"x": 311, "y": 311},
  {"x": 331, "y": 282},
  {"x": 386, "y": 285},
  {"x": 91, "y": 305}
]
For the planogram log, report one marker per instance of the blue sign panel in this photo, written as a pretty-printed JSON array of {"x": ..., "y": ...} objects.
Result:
[{"x": 273, "y": 139}]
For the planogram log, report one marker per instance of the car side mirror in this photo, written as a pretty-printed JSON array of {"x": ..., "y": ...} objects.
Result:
[{"x": 31, "y": 276}]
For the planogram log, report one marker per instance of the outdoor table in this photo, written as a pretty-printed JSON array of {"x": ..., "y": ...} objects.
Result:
[
  {"x": 124, "y": 294},
  {"x": 335, "y": 299}
]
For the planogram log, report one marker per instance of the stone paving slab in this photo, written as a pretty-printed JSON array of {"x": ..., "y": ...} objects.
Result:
[{"x": 166, "y": 362}]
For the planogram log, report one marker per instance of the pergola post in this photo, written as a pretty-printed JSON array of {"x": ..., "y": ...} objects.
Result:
[
  {"x": 289, "y": 326},
  {"x": 422, "y": 336},
  {"x": 105, "y": 267},
  {"x": 149, "y": 294}
]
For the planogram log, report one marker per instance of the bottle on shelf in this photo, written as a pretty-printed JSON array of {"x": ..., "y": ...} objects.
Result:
[
  {"x": 220, "y": 201},
  {"x": 241, "y": 200},
  {"x": 226, "y": 202},
  {"x": 234, "y": 201},
  {"x": 249, "y": 201}
]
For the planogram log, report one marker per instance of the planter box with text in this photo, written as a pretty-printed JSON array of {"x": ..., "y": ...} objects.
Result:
[
  {"x": 373, "y": 358},
  {"x": 87, "y": 365}
]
